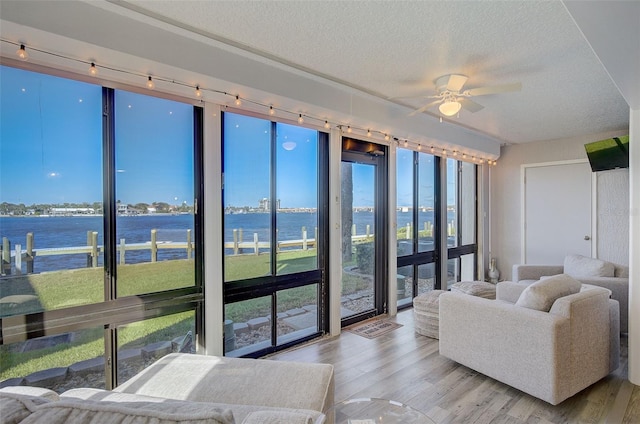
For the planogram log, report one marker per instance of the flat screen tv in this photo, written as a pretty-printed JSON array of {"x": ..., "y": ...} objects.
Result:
[{"x": 607, "y": 154}]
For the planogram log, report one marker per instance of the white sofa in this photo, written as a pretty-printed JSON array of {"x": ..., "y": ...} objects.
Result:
[
  {"x": 596, "y": 272},
  {"x": 549, "y": 355},
  {"x": 189, "y": 389}
]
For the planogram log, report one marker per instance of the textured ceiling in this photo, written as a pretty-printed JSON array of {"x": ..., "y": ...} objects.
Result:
[{"x": 396, "y": 49}]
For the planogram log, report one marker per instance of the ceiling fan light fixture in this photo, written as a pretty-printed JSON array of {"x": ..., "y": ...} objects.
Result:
[{"x": 450, "y": 108}]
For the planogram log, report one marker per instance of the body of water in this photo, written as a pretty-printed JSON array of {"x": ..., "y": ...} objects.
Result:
[{"x": 70, "y": 231}]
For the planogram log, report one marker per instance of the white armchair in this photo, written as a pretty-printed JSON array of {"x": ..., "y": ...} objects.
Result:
[
  {"x": 549, "y": 355},
  {"x": 596, "y": 272}
]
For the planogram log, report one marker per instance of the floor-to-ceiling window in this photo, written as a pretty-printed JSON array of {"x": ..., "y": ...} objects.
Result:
[
  {"x": 419, "y": 223},
  {"x": 275, "y": 198},
  {"x": 101, "y": 242},
  {"x": 461, "y": 220}
]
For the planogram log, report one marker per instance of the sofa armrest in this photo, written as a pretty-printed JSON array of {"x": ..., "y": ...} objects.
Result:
[
  {"x": 619, "y": 287},
  {"x": 589, "y": 314},
  {"x": 534, "y": 272}
]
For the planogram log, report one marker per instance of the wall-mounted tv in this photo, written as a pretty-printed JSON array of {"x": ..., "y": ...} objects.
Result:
[{"x": 607, "y": 154}]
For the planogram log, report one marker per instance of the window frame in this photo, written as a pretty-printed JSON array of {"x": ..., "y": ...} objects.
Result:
[
  {"x": 436, "y": 256},
  {"x": 269, "y": 285},
  {"x": 417, "y": 258},
  {"x": 456, "y": 253},
  {"x": 112, "y": 311}
]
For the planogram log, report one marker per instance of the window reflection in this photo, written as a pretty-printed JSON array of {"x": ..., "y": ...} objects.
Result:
[
  {"x": 297, "y": 199},
  {"x": 297, "y": 313},
  {"x": 247, "y": 197},
  {"x": 452, "y": 202},
  {"x": 247, "y": 326},
  {"x": 50, "y": 192},
  {"x": 426, "y": 202},
  {"x": 142, "y": 343},
  {"x": 404, "y": 206},
  {"x": 58, "y": 362},
  {"x": 154, "y": 192}
]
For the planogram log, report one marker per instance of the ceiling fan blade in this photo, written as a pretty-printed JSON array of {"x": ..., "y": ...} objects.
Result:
[
  {"x": 505, "y": 88},
  {"x": 470, "y": 105},
  {"x": 423, "y": 96},
  {"x": 425, "y": 107},
  {"x": 456, "y": 82}
]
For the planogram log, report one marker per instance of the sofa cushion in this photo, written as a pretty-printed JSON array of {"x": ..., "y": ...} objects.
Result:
[
  {"x": 541, "y": 294},
  {"x": 16, "y": 407},
  {"x": 582, "y": 266},
  {"x": 228, "y": 380},
  {"x": 91, "y": 412}
]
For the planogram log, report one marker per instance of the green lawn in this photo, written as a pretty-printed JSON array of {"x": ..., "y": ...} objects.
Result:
[
  {"x": 89, "y": 343},
  {"x": 61, "y": 289}
]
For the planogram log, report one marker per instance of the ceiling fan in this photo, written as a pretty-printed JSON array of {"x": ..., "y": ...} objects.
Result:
[{"x": 452, "y": 97}]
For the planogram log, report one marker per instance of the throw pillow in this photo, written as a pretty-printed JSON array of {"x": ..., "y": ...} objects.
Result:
[
  {"x": 541, "y": 294},
  {"x": 580, "y": 266}
]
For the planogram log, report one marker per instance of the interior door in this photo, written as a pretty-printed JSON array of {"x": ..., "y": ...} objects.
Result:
[{"x": 557, "y": 211}]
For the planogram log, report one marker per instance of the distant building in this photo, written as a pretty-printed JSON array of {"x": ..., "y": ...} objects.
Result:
[
  {"x": 265, "y": 204},
  {"x": 72, "y": 211},
  {"x": 124, "y": 209}
]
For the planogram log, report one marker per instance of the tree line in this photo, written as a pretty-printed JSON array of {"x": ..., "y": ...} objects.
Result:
[{"x": 7, "y": 208}]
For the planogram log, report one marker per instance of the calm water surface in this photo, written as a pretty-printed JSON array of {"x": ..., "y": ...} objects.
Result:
[{"x": 69, "y": 231}]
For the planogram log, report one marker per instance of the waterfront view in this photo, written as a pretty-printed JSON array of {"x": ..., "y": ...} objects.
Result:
[{"x": 71, "y": 231}]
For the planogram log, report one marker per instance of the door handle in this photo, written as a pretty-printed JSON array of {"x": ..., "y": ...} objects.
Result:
[{"x": 587, "y": 238}]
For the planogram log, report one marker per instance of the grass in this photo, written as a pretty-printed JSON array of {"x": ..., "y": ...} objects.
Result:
[
  {"x": 249, "y": 266},
  {"x": 288, "y": 262},
  {"x": 89, "y": 343},
  {"x": 61, "y": 289}
]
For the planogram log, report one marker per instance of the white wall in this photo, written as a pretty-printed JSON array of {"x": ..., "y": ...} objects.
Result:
[
  {"x": 612, "y": 212},
  {"x": 505, "y": 196}
]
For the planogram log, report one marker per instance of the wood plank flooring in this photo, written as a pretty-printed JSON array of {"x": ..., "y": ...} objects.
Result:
[{"x": 408, "y": 368}]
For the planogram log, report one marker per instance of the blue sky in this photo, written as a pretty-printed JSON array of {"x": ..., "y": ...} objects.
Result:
[
  {"x": 51, "y": 143},
  {"x": 51, "y": 150},
  {"x": 404, "y": 171},
  {"x": 247, "y": 163}
]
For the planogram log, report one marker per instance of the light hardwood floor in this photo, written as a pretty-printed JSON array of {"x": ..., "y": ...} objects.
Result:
[{"x": 407, "y": 368}]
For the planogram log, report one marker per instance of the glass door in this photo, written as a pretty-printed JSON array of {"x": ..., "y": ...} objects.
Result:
[{"x": 363, "y": 188}]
